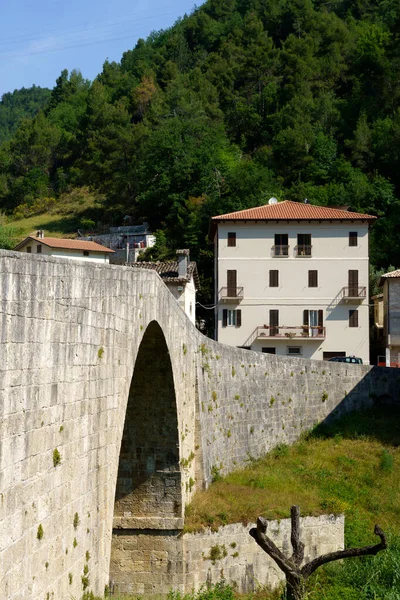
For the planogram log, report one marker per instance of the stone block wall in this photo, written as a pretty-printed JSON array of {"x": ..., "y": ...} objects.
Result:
[{"x": 231, "y": 555}]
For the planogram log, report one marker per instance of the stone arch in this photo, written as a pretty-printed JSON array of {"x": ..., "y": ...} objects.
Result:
[
  {"x": 148, "y": 513},
  {"x": 148, "y": 488}
]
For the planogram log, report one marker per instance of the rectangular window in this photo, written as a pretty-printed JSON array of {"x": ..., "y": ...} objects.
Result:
[
  {"x": 353, "y": 318},
  {"x": 281, "y": 247},
  {"x": 274, "y": 278},
  {"x": 231, "y": 281},
  {"x": 312, "y": 278},
  {"x": 353, "y": 238},
  {"x": 268, "y": 350},
  {"x": 303, "y": 244},
  {"x": 294, "y": 350},
  {"x": 231, "y": 318},
  {"x": 273, "y": 322},
  {"x": 231, "y": 238},
  {"x": 86, "y": 253},
  {"x": 39, "y": 250},
  {"x": 29, "y": 249}
]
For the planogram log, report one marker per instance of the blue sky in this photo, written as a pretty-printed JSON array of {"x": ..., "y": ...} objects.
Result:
[{"x": 40, "y": 38}]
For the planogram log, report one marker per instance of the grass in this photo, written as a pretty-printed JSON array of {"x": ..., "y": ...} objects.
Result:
[
  {"x": 350, "y": 467},
  {"x": 63, "y": 219}
]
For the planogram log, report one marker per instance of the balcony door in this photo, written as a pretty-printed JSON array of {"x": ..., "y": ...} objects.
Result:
[
  {"x": 281, "y": 247},
  {"x": 313, "y": 323},
  {"x": 304, "y": 244},
  {"x": 353, "y": 284},
  {"x": 273, "y": 322},
  {"x": 232, "y": 283}
]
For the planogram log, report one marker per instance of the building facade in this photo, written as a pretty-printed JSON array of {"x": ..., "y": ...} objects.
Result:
[
  {"x": 65, "y": 248},
  {"x": 292, "y": 279},
  {"x": 390, "y": 307}
]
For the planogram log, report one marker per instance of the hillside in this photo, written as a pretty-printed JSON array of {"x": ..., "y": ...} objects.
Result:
[
  {"x": 18, "y": 105},
  {"x": 239, "y": 101}
]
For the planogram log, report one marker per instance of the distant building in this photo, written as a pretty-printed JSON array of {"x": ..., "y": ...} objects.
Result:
[
  {"x": 180, "y": 277},
  {"x": 390, "y": 307},
  {"x": 126, "y": 241},
  {"x": 65, "y": 248},
  {"x": 292, "y": 279}
]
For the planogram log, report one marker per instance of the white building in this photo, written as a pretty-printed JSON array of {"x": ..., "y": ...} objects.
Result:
[
  {"x": 65, "y": 248},
  {"x": 292, "y": 279},
  {"x": 180, "y": 277}
]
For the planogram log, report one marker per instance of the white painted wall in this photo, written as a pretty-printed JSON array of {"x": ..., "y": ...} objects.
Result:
[
  {"x": 98, "y": 257},
  {"x": 331, "y": 256},
  {"x": 186, "y": 297}
]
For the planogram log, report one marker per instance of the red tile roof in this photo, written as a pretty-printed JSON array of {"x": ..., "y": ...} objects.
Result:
[
  {"x": 292, "y": 211},
  {"x": 66, "y": 244},
  {"x": 391, "y": 274}
]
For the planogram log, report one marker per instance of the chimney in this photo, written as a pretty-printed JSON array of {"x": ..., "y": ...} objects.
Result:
[
  {"x": 40, "y": 234},
  {"x": 183, "y": 262}
]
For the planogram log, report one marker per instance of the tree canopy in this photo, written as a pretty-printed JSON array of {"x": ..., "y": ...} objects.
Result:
[{"x": 238, "y": 101}]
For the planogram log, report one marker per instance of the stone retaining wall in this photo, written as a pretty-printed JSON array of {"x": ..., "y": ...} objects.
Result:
[{"x": 230, "y": 554}]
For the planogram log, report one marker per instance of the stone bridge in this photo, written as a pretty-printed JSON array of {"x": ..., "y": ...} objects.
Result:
[{"x": 115, "y": 409}]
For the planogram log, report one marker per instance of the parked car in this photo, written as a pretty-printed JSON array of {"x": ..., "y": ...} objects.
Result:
[{"x": 347, "y": 359}]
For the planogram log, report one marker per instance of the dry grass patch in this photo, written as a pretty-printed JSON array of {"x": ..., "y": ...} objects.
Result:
[{"x": 62, "y": 219}]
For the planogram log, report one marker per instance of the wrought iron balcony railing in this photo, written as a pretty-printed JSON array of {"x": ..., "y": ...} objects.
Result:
[
  {"x": 299, "y": 332},
  {"x": 303, "y": 251},
  {"x": 231, "y": 294},
  {"x": 280, "y": 251},
  {"x": 353, "y": 293}
]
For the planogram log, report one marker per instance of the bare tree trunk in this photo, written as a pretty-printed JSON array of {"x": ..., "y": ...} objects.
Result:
[{"x": 296, "y": 576}]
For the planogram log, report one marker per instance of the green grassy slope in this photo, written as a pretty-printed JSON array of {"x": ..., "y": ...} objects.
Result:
[{"x": 350, "y": 467}]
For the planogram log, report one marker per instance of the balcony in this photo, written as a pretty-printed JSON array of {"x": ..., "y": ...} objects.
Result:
[
  {"x": 280, "y": 251},
  {"x": 303, "y": 251},
  {"x": 231, "y": 294},
  {"x": 353, "y": 294},
  {"x": 300, "y": 332}
]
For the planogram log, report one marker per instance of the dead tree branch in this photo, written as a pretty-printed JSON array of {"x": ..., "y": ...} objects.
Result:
[{"x": 295, "y": 575}]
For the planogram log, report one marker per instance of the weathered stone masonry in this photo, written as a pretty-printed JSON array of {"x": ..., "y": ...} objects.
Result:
[{"x": 92, "y": 356}]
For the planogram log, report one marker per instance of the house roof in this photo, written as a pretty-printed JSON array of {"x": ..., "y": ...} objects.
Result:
[
  {"x": 390, "y": 275},
  {"x": 296, "y": 211},
  {"x": 168, "y": 271},
  {"x": 65, "y": 244}
]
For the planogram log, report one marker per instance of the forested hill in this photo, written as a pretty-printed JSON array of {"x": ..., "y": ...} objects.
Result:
[
  {"x": 239, "y": 101},
  {"x": 14, "y": 106}
]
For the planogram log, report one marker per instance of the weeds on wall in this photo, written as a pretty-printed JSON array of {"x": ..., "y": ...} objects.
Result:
[{"x": 56, "y": 457}]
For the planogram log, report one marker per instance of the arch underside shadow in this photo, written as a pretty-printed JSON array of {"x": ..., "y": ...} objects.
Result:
[{"x": 148, "y": 493}]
